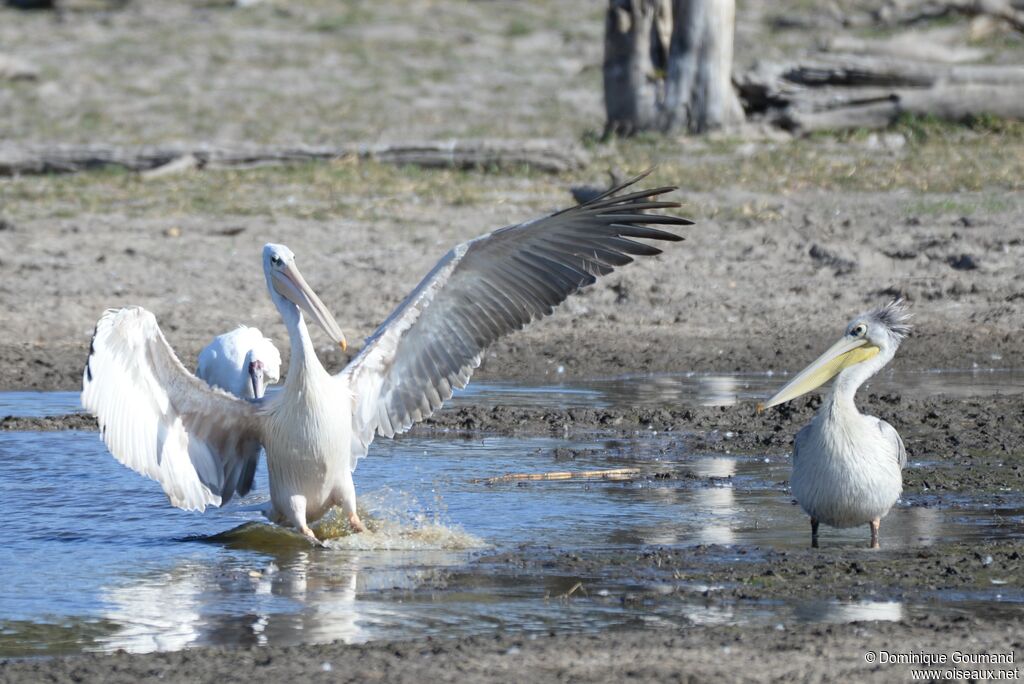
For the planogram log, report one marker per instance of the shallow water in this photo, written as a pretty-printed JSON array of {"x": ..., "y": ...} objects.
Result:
[
  {"x": 680, "y": 389},
  {"x": 718, "y": 389},
  {"x": 95, "y": 559}
]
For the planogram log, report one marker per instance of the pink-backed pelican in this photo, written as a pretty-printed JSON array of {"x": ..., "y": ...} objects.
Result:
[
  {"x": 242, "y": 362},
  {"x": 160, "y": 420},
  {"x": 847, "y": 467}
]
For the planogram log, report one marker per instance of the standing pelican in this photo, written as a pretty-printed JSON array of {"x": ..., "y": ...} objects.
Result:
[
  {"x": 165, "y": 423},
  {"x": 847, "y": 467},
  {"x": 242, "y": 362}
]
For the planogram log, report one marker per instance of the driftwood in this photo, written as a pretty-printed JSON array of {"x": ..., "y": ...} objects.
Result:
[
  {"x": 182, "y": 164},
  {"x": 904, "y": 13},
  {"x": 855, "y": 91},
  {"x": 935, "y": 46},
  {"x": 947, "y": 102},
  {"x": 860, "y": 70},
  {"x": 547, "y": 156}
]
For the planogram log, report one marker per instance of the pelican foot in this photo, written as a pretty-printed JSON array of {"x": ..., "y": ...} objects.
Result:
[
  {"x": 875, "y": 524},
  {"x": 309, "y": 533},
  {"x": 355, "y": 522},
  {"x": 814, "y": 533}
]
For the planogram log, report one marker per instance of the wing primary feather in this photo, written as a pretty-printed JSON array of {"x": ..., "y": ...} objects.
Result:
[
  {"x": 515, "y": 314},
  {"x": 551, "y": 272},
  {"x": 487, "y": 288},
  {"x": 549, "y": 294},
  {"x": 570, "y": 279}
]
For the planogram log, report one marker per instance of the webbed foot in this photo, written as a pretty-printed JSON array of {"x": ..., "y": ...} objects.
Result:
[{"x": 355, "y": 522}]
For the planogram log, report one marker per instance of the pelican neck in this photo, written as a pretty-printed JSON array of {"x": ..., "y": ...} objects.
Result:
[{"x": 304, "y": 362}]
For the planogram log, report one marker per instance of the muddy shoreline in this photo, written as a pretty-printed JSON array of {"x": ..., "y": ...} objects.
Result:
[
  {"x": 562, "y": 348},
  {"x": 792, "y": 652}
]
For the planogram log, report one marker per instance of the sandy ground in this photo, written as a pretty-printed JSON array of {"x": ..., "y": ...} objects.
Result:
[
  {"x": 792, "y": 239},
  {"x": 736, "y": 295}
]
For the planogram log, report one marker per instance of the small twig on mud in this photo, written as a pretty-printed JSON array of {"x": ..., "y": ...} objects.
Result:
[
  {"x": 614, "y": 474},
  {"x": 576, "y": 587}
]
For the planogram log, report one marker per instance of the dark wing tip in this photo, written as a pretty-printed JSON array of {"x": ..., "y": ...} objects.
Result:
[
  {"x": 625, "y": 184},
  {"x": 638, "y": 202},
  {"x": 92, "y": 351}
]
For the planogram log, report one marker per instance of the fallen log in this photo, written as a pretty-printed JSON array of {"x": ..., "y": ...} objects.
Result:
[
  {"x": 934, "y": 46},
  {"x": 865, "y": 91},
  {"x": 907, "y": 13},
  {"x": 860, "y": 70},
  {"x": 913, "y": 13},
  {"x": 541, "y": 155},
  {"x": 957, "y": 103}
]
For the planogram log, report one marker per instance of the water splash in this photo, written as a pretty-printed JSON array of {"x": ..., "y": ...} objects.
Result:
[{"x": 397, "y": 521}]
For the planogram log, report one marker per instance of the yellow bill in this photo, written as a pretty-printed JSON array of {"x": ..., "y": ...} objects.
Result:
[
  {"x": 293, "y": 287},
  {"x": 843, "y": 354}
]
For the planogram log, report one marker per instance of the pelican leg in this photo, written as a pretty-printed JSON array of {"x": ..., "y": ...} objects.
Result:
[
  {"x": 345, "y": 495},
  {"x": 814, "y": 533},
  {"x": 296, "y": 515},
  {"x": 875, "y": 524}
]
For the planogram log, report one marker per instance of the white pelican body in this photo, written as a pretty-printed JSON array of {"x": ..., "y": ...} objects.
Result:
[
  {"x": 242, "y": 362},
  {"x": 847, "y": 467},
  {"x": 202, "y": 444},
  {"x": 307, "y": 431}
]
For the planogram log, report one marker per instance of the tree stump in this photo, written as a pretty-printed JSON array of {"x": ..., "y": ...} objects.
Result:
[{"x": 668, "y": 66}]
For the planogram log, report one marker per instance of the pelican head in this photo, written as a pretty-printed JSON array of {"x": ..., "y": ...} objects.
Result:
[
  {"x": 256, "y": 372},
  {"x": 873, "y": 335},
  {"x": 286, "y": 284}
]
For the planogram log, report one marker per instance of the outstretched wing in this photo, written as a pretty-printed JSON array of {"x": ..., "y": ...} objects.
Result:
[
  {"x": 900, "y": 451},
  {"x": 201, "y": 444},
  {"x": 484, "y": 289}
]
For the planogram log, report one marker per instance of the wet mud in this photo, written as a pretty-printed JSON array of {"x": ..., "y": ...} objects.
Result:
[{"x": 786, "y": 652}]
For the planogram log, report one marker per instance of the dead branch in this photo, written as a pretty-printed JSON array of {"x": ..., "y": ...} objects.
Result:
[
  {"x": 614, "y": 474},
  {"x": 541, "y": 155}
]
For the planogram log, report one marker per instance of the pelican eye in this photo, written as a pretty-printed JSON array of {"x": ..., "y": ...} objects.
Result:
[
  {"x": 859, "y": 330},
  {"x": 276, "y": 260}
]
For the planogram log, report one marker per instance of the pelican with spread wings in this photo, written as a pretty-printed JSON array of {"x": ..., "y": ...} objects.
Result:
[
  {"x": 847, "y": 467},
  {"x": 201, "y": 443}
]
